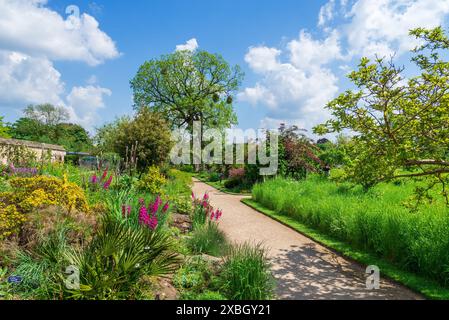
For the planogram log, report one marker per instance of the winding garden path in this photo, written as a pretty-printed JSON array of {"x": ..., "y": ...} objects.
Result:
[{"x": 303, "y": 268}]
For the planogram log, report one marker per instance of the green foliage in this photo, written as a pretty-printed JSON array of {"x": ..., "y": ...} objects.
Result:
[
  {"x": 399, "y": 122},
  {"x": 152, "y": 181},
  {"x": 4, "y": 130},
  {"x": 47, "y": 114},
  {"x": 208, "y": 239},
  {"x": 116, "y": 259},
  {"x": 71, "y": 136},
  {"x": 245, "y": 274},
  {"x": 187, "y": 87},
  {"x": 106, "y": 136},
  {"x": 178, "y": 185},
  {"x": 196, "y": 279},
  {"x": 149, "y": 133},
  {"x": 375, "y": 221}
]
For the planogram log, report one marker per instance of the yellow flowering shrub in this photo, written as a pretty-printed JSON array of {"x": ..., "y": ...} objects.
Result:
[
  {"x": 31, "y": 193},
  {"x": 10, "y": 220},
  {"x": 152, "y": 181}
]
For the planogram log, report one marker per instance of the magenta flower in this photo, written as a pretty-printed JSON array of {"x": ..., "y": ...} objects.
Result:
[
  {"x": 143, "y": 215},
  {"x": 107, "y": 184},
  {"x": 105, "y": 173},
  {"x": 206, "y": 196},
  {"x": 154, "y": 207},
  {"x": 153, "y": 222},
  {"x": 129, "y": 210},
  {"x": 165, "y": 208},
  {"x": 193, "y": 196},
  {"x": 94, "y": 179},
  {"x": 123, "y": 210},
  {"x": 212, "y": 216}
]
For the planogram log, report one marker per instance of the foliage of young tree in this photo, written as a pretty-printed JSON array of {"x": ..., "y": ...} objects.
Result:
[
  {"x": 106, "y": 136},
  {"x": 4, "y": 130},
  {"x": 189, "y": 86},
  {"x": 46, "y": 113},
  {"x": 399, "y": 124},
  {"x": 334, "y": 154},
  {"x": 149, "y": 133}
]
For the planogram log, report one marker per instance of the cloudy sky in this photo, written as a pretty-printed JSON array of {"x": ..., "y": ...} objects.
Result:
[{"x": 295, "y": 53}]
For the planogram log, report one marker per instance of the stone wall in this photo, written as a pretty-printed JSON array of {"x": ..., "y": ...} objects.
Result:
[{"x": 57, "y": 153}]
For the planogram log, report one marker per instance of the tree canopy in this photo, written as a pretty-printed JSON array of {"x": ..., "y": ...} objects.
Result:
[
  {"x": 43, "y": 123},
  {"x": 400, "y": 125},
  {"x": 189, "y": 86},
  {"x": 46, "y": 113},
  {"x": 147, "y": 133}
]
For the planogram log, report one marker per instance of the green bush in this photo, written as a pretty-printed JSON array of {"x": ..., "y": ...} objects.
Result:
[
  {"x": 245, "y": 274},
  {"x": 208, "y": 239},
  {"x": 152, "y": 181},
  {"x": 376, "y": 220}
]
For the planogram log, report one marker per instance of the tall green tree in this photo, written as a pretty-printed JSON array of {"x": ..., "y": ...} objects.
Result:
[
  {"x": 189, "y": 86},
  {"x": 400, "y": 125},
  {"x": 46, "y": 113},
  {"x": 43, "y": 123}
]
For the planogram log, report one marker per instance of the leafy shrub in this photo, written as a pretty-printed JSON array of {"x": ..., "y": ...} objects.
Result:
[
  {"x": 182, "y": 205},
  {"x": 245, "y": 274},
  {"x": 195, "y": 277},
  {"x": 112, "y": 264},
  {"x": 237, "y": 174},
  {"x": 152, "y": 181},
  {"x": 232, "y": 183},
  {"x": 208, "y": 239},
  {"x": 214, "y": 177}
]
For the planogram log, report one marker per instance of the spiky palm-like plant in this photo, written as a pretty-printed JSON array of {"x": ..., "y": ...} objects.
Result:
[{"x": 117, "y": 257}]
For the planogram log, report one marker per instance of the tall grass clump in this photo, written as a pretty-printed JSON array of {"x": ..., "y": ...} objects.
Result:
[
  {"x": 208, "y": 239},
  {"x": 375, "y": 220},
  {"x": 245, "y": 274}
]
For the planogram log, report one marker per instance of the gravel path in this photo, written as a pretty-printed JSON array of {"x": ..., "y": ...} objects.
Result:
[{"x": 303, "y": 268}]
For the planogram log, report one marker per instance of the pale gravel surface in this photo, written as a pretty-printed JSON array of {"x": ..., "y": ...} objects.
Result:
[{"x": 303, "y": 269}]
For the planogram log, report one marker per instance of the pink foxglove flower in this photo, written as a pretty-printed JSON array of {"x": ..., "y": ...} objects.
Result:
[
  {"x": 152, "y": 222},
  {"x": 193, "y": 196},
  {"x": 94, "y": 179},
  {"x": 105, "y": 173},
  {"x": 143, "y": 216},
  {"x": 107, "y": 184},
  {"x": 165, "y": 208},
  {"x": 206, "y": 196}
]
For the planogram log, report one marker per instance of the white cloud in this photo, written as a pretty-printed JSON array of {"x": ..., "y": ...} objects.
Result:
[
  {"x": 382, "y": 26},
  {"x": 190, "y": 45},
  {"x": 25, "y": 79},
  {"x": 32, "y": 36},
  {"x": 296, "y": 89},
  {"x": 28, "y": 26},
  {"x": 84, "y": 102},
  {"x": 326, "y": 13},
  {"x": 262, "y": 59},
  {"x": 306, "y": 53}
]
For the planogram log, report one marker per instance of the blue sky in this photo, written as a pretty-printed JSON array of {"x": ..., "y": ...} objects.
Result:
[{"x": 295, "y": 53}]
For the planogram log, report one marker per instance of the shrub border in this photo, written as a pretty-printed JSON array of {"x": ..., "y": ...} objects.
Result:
[{"x": 427, "y": 288}]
